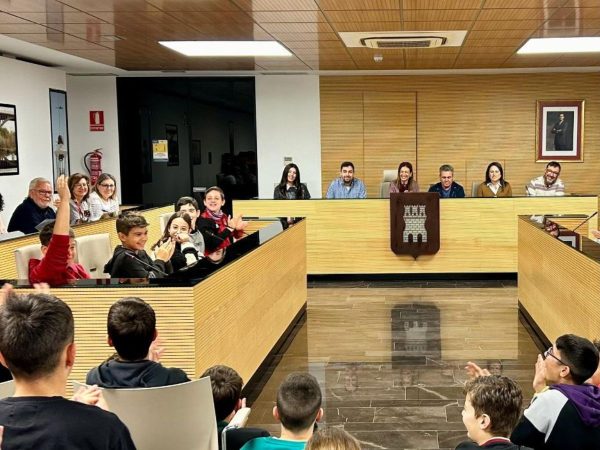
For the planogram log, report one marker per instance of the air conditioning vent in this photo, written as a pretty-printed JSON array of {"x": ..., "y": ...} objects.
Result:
[
  {"x": 403, "y": 39},
  {"x": 404, "y": 42}
]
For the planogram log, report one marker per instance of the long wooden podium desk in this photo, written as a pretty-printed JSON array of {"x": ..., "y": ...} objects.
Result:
[
  {"x": 477, "y": 235},
  {"x": 559, "y": 281},
  {"x": 231, "y": 313}
]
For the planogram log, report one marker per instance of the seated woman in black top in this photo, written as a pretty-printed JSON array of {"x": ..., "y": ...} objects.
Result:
[{"x": 290, "y": 187}]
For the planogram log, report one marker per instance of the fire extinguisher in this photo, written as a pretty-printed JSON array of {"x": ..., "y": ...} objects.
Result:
[{"x": 95, "y": 164}]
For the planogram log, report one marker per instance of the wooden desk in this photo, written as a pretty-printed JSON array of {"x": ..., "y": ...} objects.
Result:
[
  {"x": 8, "y": 268},
  {"x": 559, "y": 286},
  {"x": 477, "y": 235},
  {"x": 234, "y": 317}
]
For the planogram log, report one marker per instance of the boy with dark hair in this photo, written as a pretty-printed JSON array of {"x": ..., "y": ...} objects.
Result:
[
  {"x": 57, "y": 266},
  {"x": 131, "y": 330},
  {"x": 298, "y": 408},
  {"x": 565, "y": 412},
  {"x": 36, "y": 344},
  {"x": 219, "y": 229},
  {"x": 492, "y": 409},
  {"x": 130, "y": 260},
  {"x": 227, "y": 390}
]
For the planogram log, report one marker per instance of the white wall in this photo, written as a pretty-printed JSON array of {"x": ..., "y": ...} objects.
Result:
[
  {"x": 27, "y": 86},
  {"x": 85, "y": 94},
  {"x": 288, "y": 123}
]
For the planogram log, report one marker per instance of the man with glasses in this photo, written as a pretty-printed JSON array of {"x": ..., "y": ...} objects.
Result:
[
  {"x": 34, "y": 209},
  {"x": 547, "y": 185},
  {"x": 565, "y": 411}
]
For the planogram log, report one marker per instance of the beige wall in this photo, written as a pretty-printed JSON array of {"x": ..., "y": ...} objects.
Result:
[{"x": 467, "y": 121}]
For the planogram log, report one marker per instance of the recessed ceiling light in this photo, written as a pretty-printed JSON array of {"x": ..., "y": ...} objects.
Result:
[
  {"x": 561, "y": 45},
  {"x": 227, "y": 48}
]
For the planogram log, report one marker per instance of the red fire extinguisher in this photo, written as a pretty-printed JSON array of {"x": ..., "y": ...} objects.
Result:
[{"x": 95, "y": 164}]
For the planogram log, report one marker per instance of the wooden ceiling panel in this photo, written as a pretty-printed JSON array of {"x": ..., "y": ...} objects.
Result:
[
  {"x": 368, "y": 53},
  {"x": 212, "y": 17},
  {"x": 317, "y": 27},
  {"x": 516, "y": 43},
  {"x": 22, "y": 28},
  {"x": 442, "y": 4},
  {"x": 110, "y": 5},
  {"x": 277, "y": 5},
  {"x": 516, "y": 14},
  {"x": 288, "y": 16},
  {"x": 438, "y": 26},
  {"x": 529, "y": 61},
  {"x": 33, "y": 6},
  {"x": 89, "y": 31},
  {"x": 147, "y": 17},
  {"x": 333, "y": 65},
  {"x": 298, "y": 45},
  {"x": 340, "y": 5},
  {"x": 430, "y": 64},
  {"x": 566, "y": 33},
  {"x": 499, "y": 34},
  {"x": 293, "y": 37},
  {"x": 440, "y": 15},
  {"x": 311, "y": 55},
  {"x": 367, "y": 26},
  {"x": 281, "y": 64},
  {"x": 581, "y": 24},
  {"x": 576, "y": 14},
  {"x": 519, "y": 4},
  {"x": 507, "y": 24},
  {"x": 58, "y": 18},
  {"x": 194, "y": 6},
  {"x": 364, "y": 16},
  {"x": 578, "y": 60},
  {"x": 499, "y": 51}
]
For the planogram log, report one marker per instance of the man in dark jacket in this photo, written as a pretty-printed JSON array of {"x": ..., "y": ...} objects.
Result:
[
  {"x": 565, "y": 411},
  {"x": 447, "y": 187},
  {"x": 131, "y": 331},
  {"x": 34, "y": 209}
]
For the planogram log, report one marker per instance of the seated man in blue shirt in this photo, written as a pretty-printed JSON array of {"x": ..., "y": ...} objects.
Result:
[
  {"x": 34, "y": 209},
  {"x": 447, "y": 187},
  {"x": 346, "y": 186}
]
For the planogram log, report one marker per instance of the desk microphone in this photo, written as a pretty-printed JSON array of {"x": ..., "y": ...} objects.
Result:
[
  {"x": 148, "y": 266},
  {"x": 588, "y": 218}
]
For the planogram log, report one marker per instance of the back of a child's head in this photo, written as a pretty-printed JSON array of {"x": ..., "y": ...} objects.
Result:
[
  {"x": 47, "y": 231},
  {"x": 131, "y": 327},
  {"x": 298, "y": 401},
  {"x": 226, "y": 387},
  {"x": 498, "y": 397},
  {"x": 332, "y": 439},
  {"x": 129, "y": 220},
  {"x": 34, "y": 331}
]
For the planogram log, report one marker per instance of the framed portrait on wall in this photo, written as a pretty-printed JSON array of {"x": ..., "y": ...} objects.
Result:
[
  {"x": 559, "y": 134},
  {"x": 9, "y": 148}
]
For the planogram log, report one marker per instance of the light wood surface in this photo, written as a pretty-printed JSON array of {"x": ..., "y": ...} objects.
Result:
[
  {"x": 233, "y": 317},
  {"x": 352, "y": 236},
  {"x": 8, "y": 269},
  {"x": 558, "y": 286},
  {"x": 467, "y": 121}
]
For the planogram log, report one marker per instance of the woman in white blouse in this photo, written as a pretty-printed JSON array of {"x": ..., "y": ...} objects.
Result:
[{"x": 103, "y": 199}]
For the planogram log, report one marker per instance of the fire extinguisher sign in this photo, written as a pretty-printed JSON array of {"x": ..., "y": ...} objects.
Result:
[{"x": 96, "y": 120}]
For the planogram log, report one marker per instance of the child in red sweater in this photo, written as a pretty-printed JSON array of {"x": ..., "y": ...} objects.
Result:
[{"x": 227, "y": 228}]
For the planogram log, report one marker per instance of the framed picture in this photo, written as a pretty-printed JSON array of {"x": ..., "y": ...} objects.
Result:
[
  {"x": 9, "y": 148},
  {"x": 571, "y": 238},
  {"x": 59, "y": 128},
  {"x": 559, "y": 135}
]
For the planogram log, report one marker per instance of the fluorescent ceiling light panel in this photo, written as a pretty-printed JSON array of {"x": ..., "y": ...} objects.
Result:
[
  {"x": 561, "y": 45},
  {"x": 227, "y": 48}
]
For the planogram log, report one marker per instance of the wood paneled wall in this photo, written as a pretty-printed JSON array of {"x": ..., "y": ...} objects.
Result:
[
  {"x": 467, "y": 121},
  {"x": 353, "y": 236},
  {"x": 561, "y": 298}
]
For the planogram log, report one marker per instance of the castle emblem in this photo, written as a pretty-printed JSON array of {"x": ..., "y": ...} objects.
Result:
[{"x": 414, "y": 220}]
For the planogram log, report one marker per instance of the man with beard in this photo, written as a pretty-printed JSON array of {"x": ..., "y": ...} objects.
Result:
[
  {"x": 547, "y": 185},
  {"x": 346, "y": 186}
]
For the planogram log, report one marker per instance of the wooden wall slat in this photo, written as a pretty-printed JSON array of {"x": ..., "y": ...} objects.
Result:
[{"x": 465, "y": 120}]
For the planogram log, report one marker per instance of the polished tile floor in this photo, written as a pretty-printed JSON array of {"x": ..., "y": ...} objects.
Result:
[{"x": 390, "y": 358}]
